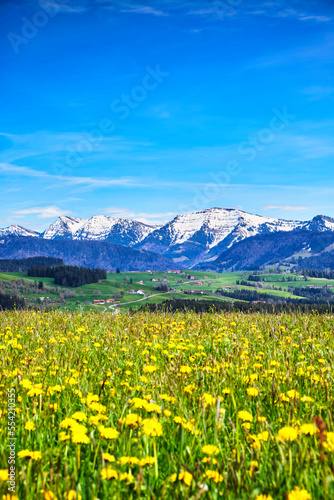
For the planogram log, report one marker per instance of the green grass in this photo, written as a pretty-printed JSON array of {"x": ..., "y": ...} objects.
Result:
[
  {"x": 117, "y": 283},
  {"x": 153, "y": 391}
]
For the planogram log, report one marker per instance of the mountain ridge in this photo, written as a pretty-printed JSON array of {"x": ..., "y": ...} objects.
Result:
[
  {"x": 102, "y": 254},
  {"x": 188, "y": 239}
]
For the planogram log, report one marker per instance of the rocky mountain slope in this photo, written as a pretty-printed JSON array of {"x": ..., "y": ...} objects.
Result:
[
  {"x": 304, "y": 249},
  {"x": 91, "y": 254}
]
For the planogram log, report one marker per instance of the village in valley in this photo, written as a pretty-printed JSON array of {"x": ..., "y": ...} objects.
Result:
[{"x": 122, "y": 291}]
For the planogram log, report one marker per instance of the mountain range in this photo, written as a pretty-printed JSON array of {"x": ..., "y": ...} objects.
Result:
[{"x": 210, "y": 239}]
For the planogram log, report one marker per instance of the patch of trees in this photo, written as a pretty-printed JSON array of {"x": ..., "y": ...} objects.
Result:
[
  {"x": 245, "y": 283},
  {"x": 309, "y": 296},
  {"x": 71, "y": 276},
  {"x": 22, "y": 265},
  {"x": 316, "y": 273},
  {"x": 9, "y": 303},
  {"x": 254, "y": 277},
  {"x": 324, "y": 261},
  {"x": 161, "y": 287},
  {"x": 209, "y": 306},
  {"x": 322, "y": 294},
  {"x": 249, "y": 295}
]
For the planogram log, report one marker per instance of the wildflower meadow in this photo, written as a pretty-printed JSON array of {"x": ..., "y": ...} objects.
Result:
[{"x": 166, "y": 406}]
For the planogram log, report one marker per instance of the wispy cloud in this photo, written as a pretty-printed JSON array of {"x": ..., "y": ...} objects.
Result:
[
  {"x": 48, "y": 212},
  {"x": 286, "y": 207},
  {"x": 155, "y": 218},
  {"x": 320, "y": 11},
  {"x": 62, "y": 6},
  {"x": 88, "y": 182},
  {"x": 145, "y": 9},
  {"x": 302, "y": 16}
]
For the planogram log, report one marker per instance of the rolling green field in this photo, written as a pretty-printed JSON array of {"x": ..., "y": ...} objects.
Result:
[{"x": 118, "y": 285}]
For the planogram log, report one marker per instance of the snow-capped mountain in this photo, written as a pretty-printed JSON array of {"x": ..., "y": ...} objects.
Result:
[
  {"x": 15, "y": 230},
  {"x": 63, "y": 228},
  {"x": 203, "y": 235},
  {"x": 188, "y": 239},
  {"x": 125, "y": 232},
  {"x": 99, "y": 227},
  {"x": 320, "y": 223}
]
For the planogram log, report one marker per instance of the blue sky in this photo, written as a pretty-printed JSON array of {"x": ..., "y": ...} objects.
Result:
[{"x": 146, "y": 110}]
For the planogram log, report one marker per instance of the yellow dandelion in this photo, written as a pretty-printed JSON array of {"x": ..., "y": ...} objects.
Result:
[
  {"x": 30, "y": 426},
  {"x": 109, "y": 433},
  {"x": 252, "y": 391},
  {"x": 109, "y": 474},
  {"x": 150, "y": 368},
  {"x": 208, "y": 399},
  {"x": 263, "y": 436},
  {"x": 245, "y": 416},
  {"x": 151, "y": 427},
  {"x": 293, "y": 394},
  {"x": 185, "y": 369},
  {"x": 298, "y": 494},
  {"x": 287, "y": 434},
  {"x": 3, "y": 474},
  {"x": 308, "y": 429},
  {"x": 80, "y": 416},
  {"x": 210, "y": 449},
  {"x": 146, "y": 461},
  {"x": 214, "y": 475}
]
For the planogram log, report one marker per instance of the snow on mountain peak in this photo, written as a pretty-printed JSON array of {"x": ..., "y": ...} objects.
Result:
[
  {"x": 63, "y": 228},
  {"x": 15, "y": 230},
  {"x": 219, "y": 223}
]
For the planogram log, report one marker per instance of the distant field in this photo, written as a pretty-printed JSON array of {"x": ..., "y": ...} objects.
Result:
[{"x": 118, "y": 286}]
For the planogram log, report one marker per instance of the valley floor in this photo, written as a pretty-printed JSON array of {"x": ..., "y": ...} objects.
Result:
[{"x": 155, "y": 287}]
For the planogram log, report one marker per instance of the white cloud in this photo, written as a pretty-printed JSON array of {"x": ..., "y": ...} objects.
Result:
[
  {"x": 49, "y": 212},
  {"x": 286, "y": 207},
  {"x": 88, "y": 182},
  {"x": 61, "y": 6},
  {"x": 145, "y": 217},
  {"x": 145, "y": 10}
]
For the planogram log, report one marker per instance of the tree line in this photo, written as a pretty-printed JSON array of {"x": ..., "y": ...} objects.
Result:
[
  {"x": 210, "y": 306},
  {"x": 323, "y": 294},
  {"x": 316, "y": 273},
  {"x": 71, "y": 276},
  {"x": 22, "y": 265},
  {"x": 308, "y": 296},
  {"x": 9, "y": 303}
]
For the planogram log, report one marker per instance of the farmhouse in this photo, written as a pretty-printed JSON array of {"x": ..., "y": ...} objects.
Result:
[
  {"x": 140, "y": 292},
  {"x": 110, "y": 301},
  {"x": 99, "y": 302}
]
